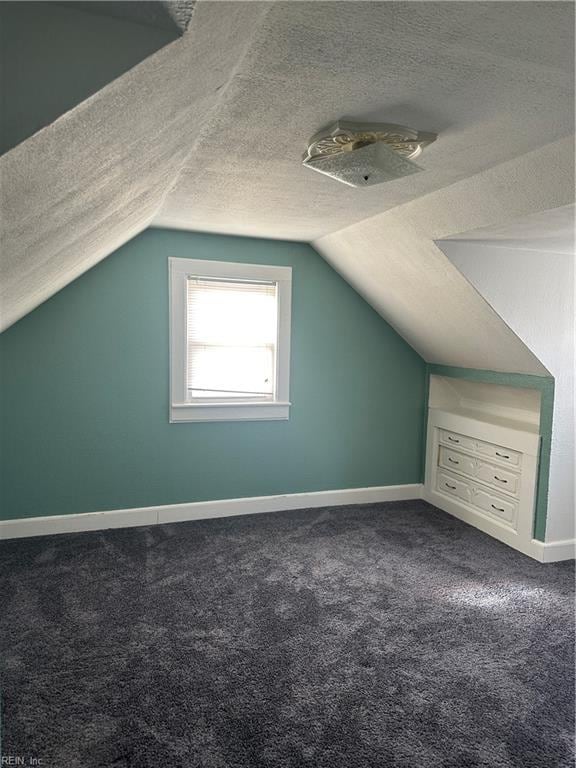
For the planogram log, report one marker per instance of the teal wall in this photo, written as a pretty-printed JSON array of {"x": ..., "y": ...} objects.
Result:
[
  {"x": 53, "y": 56},
  {"x": 84, "y": 393},
  {"x": 545, "y": 385}
]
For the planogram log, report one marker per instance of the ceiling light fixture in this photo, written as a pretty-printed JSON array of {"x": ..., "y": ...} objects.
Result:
[{"x": 363, "y": 154}]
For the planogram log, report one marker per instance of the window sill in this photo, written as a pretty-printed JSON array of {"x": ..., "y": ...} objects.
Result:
[{"x": 273, "y": 411}]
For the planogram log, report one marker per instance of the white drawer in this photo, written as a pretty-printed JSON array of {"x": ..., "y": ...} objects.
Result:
[
  {"x": 498, "y": 478},
  {"x": 458, "y": 462},
  {"x": 455, "y": 440},
  {"x": 497, "y": 452},
  {"x": 503, "y": 509},
  {"x": 454, "y": 486}
]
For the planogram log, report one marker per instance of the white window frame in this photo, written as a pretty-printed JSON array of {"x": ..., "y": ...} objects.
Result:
[{"x": 181, "y": 409}]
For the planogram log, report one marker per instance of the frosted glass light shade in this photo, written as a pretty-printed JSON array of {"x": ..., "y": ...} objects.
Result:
[
  {"x": 363, "y": 154},
  {"x": 372, "y": 164}
]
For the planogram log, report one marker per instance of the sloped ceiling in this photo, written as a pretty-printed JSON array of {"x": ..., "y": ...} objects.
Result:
[
  {"x": 493, "y": 80},
  {"x": 207, "y": 134},
  {"x": 393, "y": 261},
  {"x": 55, "y": 55},
  {"x": 83, "y": 186}
]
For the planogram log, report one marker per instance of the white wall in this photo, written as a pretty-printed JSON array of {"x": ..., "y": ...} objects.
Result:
[{"x": 533, "y": 292}]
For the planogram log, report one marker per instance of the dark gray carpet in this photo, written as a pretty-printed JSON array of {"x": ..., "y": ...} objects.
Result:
[{"x": 378, "y": 636}]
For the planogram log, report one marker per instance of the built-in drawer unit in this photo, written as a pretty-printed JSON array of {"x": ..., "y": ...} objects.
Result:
[
  {"x": 497, "y": 506},
  {"x": 467, "y": 490},
  {"x": 454, "y": 486},
  {"x": 459, "y": 462},
  {"x": 483, "y": 470},
  {"x": 499, "y": 453},
  {"x": 454, "y": 439},
  {"x": 498, "y": 478},
  {"x": 493, "y": 475}
]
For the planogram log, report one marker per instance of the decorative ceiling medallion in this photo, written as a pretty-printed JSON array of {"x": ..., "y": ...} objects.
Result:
[{"x": 339, "y": 143}]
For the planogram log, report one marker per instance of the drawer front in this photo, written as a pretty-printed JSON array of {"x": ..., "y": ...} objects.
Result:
[
  {"x": 455, "y": 440},
  {"x": 498, "y": 478},
  {"x": 458, "y": 462},
  {"x": 454, "y": 486},
  {"x": 497, "y": 452},
  {"x": 503, "y": 509}
]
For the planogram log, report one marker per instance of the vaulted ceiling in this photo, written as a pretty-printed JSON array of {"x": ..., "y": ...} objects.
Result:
[
  {"x": 207, "y": 134},
  {"x": 56, "y": 55},
  {"x": 392, "y": 259},
  {"x": 494, "y": 81}
]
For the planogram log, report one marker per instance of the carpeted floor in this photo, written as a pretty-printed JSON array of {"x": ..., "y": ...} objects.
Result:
[{"x": 381, "y": 636}]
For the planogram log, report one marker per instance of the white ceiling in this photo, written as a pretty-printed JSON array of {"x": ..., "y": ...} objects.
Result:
[
  {"x": 393, "y": 261},
  {"x": 207, "y": 134},
  {"x": 80, "y": 188},
  {"x": 493, "y": 80},
  {"x": 52, "y": 56}
]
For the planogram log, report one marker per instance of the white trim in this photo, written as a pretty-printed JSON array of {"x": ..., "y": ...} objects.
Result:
[
  {"x": 89, "y": 521},
  {"x": 273, "y": 410},
  {"x": 519, "y": 533},
  {"x": 527, "y": 442},
  {"x": 544, "y": 552},
  {"x": 181, "y": 410},
  {"x": 488, "y": 525},
  {"x": 554, "y": 551},
  {"x": 201, "y": 510}
]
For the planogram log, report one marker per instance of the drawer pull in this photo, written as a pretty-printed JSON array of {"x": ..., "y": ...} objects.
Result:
[
  {"x": 454, "y": 440},
  {"x": 502, "y": 455},
  {"x": 500, "y": 480},
  {"x": 454, "y": 461},
  {"x": 498, "y": 509},
  {"x": 452, "y": 487}
]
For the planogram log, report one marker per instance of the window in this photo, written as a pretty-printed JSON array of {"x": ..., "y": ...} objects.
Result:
[{"x": 229, "y": 341}]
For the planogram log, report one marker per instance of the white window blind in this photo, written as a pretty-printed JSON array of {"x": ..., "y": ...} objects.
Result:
[{"x": 232, "y": 330}]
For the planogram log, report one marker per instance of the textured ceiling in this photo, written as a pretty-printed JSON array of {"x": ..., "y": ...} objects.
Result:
[
  {"x": 208, "y": 133},
  {"x": 53, "y": 57},
  {"x": 83, "y": 186},
  {"x": 494, "y": 80},
  {"x": 393, "y": 261}
]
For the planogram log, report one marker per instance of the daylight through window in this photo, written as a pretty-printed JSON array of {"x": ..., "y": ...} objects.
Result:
[{"x": 231, "y": 339}]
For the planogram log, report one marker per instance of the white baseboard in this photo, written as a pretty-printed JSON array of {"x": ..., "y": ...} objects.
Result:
[
  {"x": 200, "y": 510},
  {"x": 544, "y": 552},
  {"x": 554, "y": 551},
  {"x": 549, "y": 552},
  {"x": 492, "y": 527}
]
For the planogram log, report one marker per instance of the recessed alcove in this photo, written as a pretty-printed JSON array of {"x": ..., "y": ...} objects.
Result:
[
  {"x": 483, "y": 456},
  {"x": 501, "y": 405}
]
